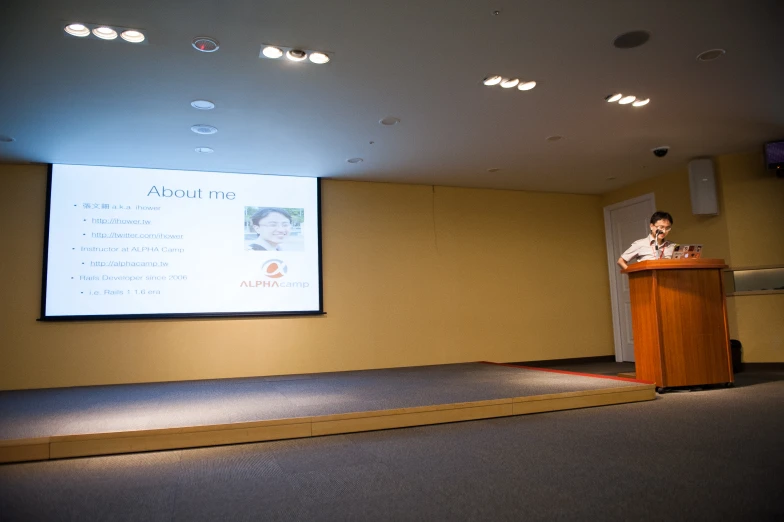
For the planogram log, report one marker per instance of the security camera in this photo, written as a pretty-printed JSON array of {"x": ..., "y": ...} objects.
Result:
[{"x": 660, "y": 152}]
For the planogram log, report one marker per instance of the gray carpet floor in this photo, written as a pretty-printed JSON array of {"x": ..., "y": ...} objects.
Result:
[
  {"x": 101, "y": 409},
  {"x": 702, "y": 455}
]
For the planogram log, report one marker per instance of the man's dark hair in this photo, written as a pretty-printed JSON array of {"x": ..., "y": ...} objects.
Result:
[
  {"x": 661, "y": 215},
  {"x": 264, "y": 212}
]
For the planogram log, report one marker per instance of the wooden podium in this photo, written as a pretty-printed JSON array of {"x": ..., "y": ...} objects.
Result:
[{"x": 679, "y": 319}]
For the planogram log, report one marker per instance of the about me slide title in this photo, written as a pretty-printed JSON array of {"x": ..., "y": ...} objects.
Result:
[{"x": 189, "y": 194}]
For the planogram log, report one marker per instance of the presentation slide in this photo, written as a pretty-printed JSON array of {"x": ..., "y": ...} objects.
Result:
[{"x": 127, "y": 242}]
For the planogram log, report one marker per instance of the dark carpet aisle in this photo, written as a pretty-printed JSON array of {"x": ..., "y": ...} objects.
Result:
[{"x": 703, "y": 455}]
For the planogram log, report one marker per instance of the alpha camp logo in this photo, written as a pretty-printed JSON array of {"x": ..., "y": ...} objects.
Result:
[{"x": 274, "y": 268}]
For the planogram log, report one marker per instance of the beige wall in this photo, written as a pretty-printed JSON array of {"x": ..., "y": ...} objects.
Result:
[
  {"x": 747, "y": 232},
  {"x": 413, "y": 275}
]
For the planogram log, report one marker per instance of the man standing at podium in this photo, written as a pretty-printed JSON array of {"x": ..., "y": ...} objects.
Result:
[{"x": 655, "y": 246}]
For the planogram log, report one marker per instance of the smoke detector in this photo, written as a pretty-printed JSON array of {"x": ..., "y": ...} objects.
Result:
[{"x": 205, "y": 44}]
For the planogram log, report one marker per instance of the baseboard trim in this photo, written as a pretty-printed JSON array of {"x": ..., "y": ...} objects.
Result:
[{"x": 560, "y": 362}]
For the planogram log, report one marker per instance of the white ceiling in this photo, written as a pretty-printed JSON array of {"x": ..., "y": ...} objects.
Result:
[{"x": 87, "y": 101}]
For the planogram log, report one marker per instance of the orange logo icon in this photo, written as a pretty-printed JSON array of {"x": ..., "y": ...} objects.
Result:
[{"x": 274, "y": 268}]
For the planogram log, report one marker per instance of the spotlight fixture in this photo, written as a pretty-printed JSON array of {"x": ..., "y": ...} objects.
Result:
[
  {"x": 614, "y": 97},
  {"x": 205, "y": 44},
  {"x": 626, "y": 100},
  {"x": 555, "y": 137},
  {"x": 202, "y": 105},
  {"x": 272, "y": 52},
  {"x": 204, "y": 150},
  {"x": 354, "y": 160},
  {"x": 296, "y": 55},
  {"x": 105, "y": 33},
  {"x": 526, "y": 86},
  {"x": 132, "y": 35},
  {"x": 319, "y": 58},
  {"x": 640, "y": 103},
  {"x": 204, "y": 129},
  {"x": 492, "y": 80},
  {"x": 77, "y": 30},
  {"x": 389, "y": 121},
  {"x": 713, "y": 54},
  {"x": 493, "y": 170},
  {"x": 508, "y": 84}
]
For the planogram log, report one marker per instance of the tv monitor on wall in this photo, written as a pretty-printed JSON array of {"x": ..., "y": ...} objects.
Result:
[
  {"x": 774, "y": 156},
  {"x": 129, "y": 243}
]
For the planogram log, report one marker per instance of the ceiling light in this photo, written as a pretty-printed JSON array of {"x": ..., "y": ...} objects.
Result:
[
  {"x": 614, "y": 97},
  {"x": 204, "y": 150},
  {"x": 554, "y": 138},
  {"x": 627, "y": 99},
  {"x": 105, "y": 33},
  {"x": 493, "y": 170},
  {"x": 631, "y": 39},
  {"x": 527, "y": 86},
  {"x": 389, "y": 120},
  {"x": 318, "y": 58},
  {"x": 508, "y": 84},
  {"x": 204, "y": 129},
  {"x": 132, "y": 36},
  {"x": 205, "y": 44},
  {"x": 355, "y": 160},
  {"x": 77, "y": 30},
  {"x": 640, "y": 103},
  {"x": 713, "y": 54},
  {"x": 492, "y": 80},
  {"x": 202, "y": 105},
  {"x": 272, "y": 52},
  {"x": 295, "y": 55},
  {"x": 7, "y": 139}
]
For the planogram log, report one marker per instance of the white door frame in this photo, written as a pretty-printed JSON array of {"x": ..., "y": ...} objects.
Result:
[{"x": 613, "y": 266}]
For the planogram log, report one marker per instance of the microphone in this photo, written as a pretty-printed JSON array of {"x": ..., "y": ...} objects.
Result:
[{"x": 659, "y": 232}]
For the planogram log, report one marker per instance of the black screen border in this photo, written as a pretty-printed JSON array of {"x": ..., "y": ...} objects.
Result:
[{"x": 143, "y": 317}]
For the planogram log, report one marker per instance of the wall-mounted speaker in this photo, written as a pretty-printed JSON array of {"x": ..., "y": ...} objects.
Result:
[{"x": 702, "y": 186}]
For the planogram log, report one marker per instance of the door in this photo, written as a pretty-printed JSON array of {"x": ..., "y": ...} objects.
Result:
[{"x": 624, "y": 223}]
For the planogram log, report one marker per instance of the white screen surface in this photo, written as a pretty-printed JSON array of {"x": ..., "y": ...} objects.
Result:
[{"x": 126, "y": 242}]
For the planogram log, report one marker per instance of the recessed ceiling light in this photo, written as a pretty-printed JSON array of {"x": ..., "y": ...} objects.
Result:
[
  {"x": 389, "y": 120},
  {"x": 205, "y": 44},
  {"x": 6, "y": 139},
  {"x": 272, "y": 52},
  {"x": 105, "y": 33},
  {"x": 614, "y": 97},
  {"x": 631, "y": 39},
  {"x": 626, "y": 99},
  {"x": 713, "y": 54},
  {"x": 77, "y": 30},
  {"x": 640, "y": 103},
  {"x": 493, "y": 170},
  {"x": 296, "y": 55},
  {"x": 204, "y": 150},
  {"x": 527, "y": 86},
  {"x": 318, "y": 58},
  {"x": 202, "y": 105},
  {"x": 132, "y": 36},
  {"x": 204, "y": 129},
  {"x": 355, "y": 160},
  {"x": 492, "y": 80},
  {"x": 611, "y": 178},
  {"x": 508, "y": 84},
  {"x": 555, "y": 137}
]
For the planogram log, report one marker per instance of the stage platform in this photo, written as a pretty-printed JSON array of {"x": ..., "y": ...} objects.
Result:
[{"x": 104, "y": 420}]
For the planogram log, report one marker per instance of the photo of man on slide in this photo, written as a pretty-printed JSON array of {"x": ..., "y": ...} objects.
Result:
[{"x": 273, "y": 228}]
